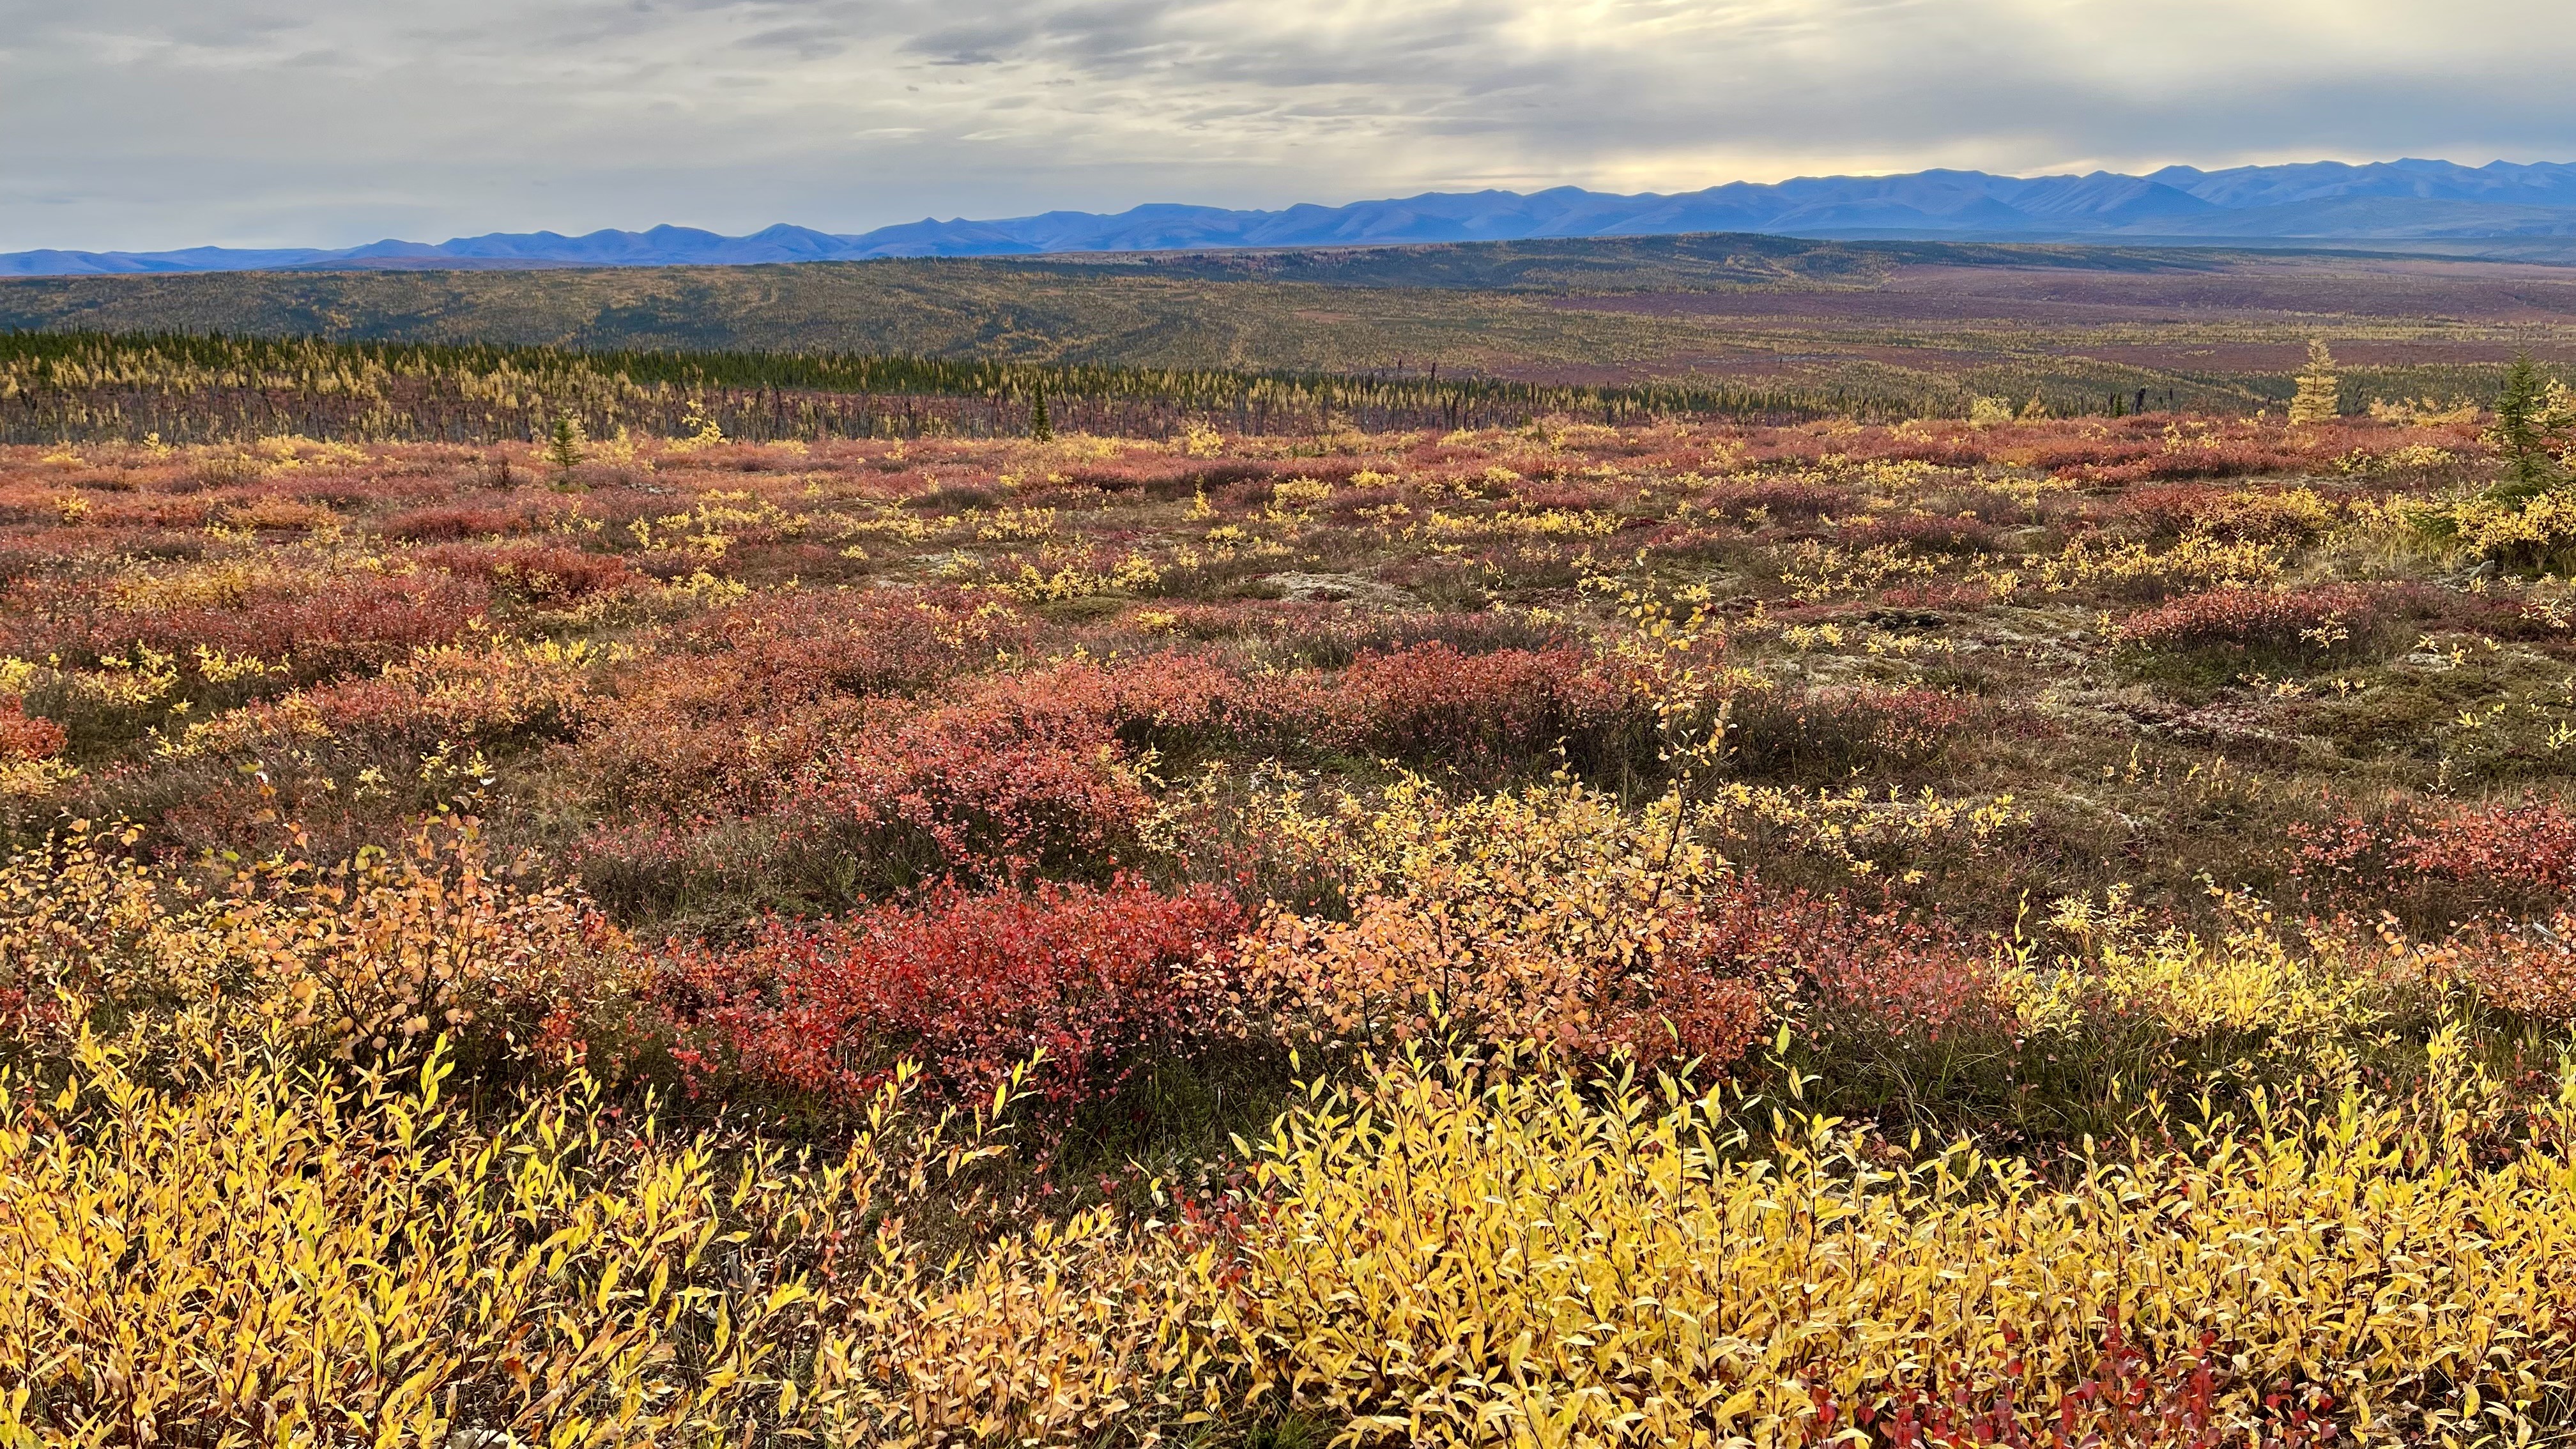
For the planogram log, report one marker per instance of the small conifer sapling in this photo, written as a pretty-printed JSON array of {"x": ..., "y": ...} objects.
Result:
[
  {"x": 2534, "y": 421},
  {"x": 565, "y": 450}
]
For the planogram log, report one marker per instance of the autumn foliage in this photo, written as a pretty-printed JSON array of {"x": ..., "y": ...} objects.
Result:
[
  {"x": 1996, "y": 932},
  {"x": 1098, "y": 980}
]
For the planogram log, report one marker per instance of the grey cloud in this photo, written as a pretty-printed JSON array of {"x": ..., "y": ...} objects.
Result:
[
  {"x": 808, "y": 42},
  {"x": 171, "y": 122}
]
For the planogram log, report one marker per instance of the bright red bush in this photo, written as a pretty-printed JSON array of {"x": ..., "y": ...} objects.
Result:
[{"x": 969, "y": 985}]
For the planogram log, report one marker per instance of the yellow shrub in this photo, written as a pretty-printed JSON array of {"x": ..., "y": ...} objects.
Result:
[
  {"x": 1467, "y": 1254},
  {"x": 80, "y": 916},
  {"x": 283, "y": 1259},
  {"x": 274, "y": 1261},
  {"x": 458, "y": 692},
  {"x": 2244, "y": 981},
  {"x": 2533, "y": 531},
  {"x": 229, "y": 582},
  {"x": 2196, "y": 561}
]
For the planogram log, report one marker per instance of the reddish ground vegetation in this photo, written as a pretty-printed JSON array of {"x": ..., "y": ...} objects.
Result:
[
  {"x": 23, "y": 737},
  {"x": 1435, "y": 703},
  {"x": 2316, "y": 619},
  {"x": 1099, "y": 979},
  {"x": 539, "y": 573},
  {"x": 1010, "y": 784}
]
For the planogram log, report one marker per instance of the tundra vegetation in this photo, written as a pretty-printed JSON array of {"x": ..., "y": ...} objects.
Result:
[{"x": 2001, "y": 930}]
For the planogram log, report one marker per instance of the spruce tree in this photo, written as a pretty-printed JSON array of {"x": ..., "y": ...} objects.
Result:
[
  {"x": 1039, "y": 427},
  {"x": 2531, "y": 423},
  {"x": 565, "y": 451}
]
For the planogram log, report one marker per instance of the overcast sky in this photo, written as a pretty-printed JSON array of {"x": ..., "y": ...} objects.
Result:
[{"x": 163, "y": 123}]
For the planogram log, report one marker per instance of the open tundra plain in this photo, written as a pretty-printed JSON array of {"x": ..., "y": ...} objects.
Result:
[{"x": 1808, "y": 874}]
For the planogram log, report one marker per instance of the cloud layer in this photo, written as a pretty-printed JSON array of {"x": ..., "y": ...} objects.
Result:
[{"x": 157, "y": 123}]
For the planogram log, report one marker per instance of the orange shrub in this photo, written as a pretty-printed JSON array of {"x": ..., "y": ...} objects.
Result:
[
  {"x": 353, "y": 958},
  {"x": 2504, "y": 856},
  {"x": 2528, "y": 969},
  {"x": 26, "y": 737}
]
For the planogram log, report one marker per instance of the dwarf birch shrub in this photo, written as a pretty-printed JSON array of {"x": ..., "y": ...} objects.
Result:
[
  {"x": 1549, "y": 914},
  {"x": 379, "y": 953}
]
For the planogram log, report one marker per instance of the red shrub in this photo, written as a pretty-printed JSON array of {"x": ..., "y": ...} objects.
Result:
[
  {"x": 735, "y": 703},
  {"x": 1886, "y": 980},
  {"x": 1016, "y": 782},
  {"x": 461, "y": 520},
  {"x": 2237, "y": 618},
  {"x": 970, "y": 985},
  {"x": 335, "y": 625},
  {"x": 1736, "y": 957},
  {"x": 540, "y": 573},
  {"x": 2342, "y": 852},
  {"x": 1335, "y": 641},
  {"x": 806, "y": 642},
  {"x": 1234, "y": 619},
  {"x": 1906, "y": 724},
  {"x": 1437, "y": 702},
  {"x": 1542, "y": 494},
  {"x": 1970, "y": 595},
  {"x": 1779, "y": 498}
]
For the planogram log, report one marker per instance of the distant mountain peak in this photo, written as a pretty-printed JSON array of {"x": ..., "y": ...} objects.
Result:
[{"x": 2322, "y": 200}]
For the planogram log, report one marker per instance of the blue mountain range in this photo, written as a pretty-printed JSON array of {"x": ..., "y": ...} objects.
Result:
[{"x": 2324, "y": 201}]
